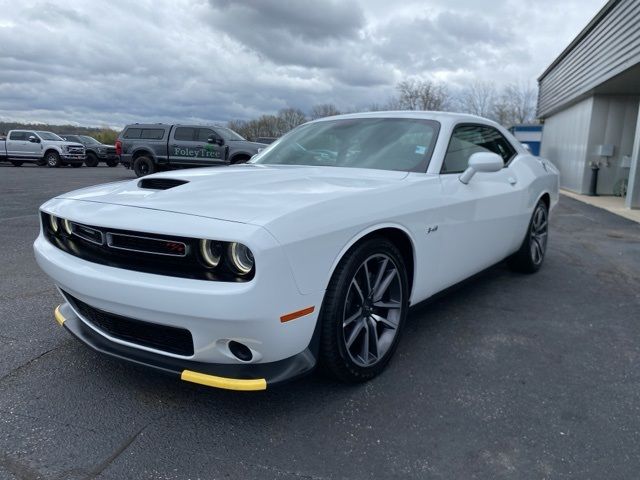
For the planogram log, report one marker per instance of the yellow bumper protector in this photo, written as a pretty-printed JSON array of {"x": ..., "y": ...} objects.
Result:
[
  {"x": 59, "y": 318},
  {"x": 222, "y": 382}
]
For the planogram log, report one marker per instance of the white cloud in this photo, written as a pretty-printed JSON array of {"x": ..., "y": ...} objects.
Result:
[{"x": 116, "y": 62}]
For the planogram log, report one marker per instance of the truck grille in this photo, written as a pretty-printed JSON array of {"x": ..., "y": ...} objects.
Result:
[
  {"x": 76, "y": 150},
  {"x": 159, "y": 337}
]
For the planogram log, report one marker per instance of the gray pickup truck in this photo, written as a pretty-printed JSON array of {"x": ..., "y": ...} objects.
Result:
[
  {"x": 152, "y": 147},
  {"x": 96, "y": 152},
  {"x": 40, "y": 147}
]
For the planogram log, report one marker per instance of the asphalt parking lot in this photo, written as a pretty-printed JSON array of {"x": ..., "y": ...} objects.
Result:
[{"x": 508, "y": 376}]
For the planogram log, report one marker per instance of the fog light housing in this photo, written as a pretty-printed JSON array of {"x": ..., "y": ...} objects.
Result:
[{"x": 240, "y": 351}]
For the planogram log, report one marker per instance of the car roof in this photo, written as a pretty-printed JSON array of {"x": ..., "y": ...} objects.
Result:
[{"x": 442, "y": 117}]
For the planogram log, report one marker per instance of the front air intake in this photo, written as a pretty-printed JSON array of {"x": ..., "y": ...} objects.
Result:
[{"x": 160, "y": 183}]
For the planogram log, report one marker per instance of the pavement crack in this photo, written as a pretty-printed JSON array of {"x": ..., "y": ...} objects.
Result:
[
  {"x": 19, "y": 368},
  {"x": 102, "y": 466}
]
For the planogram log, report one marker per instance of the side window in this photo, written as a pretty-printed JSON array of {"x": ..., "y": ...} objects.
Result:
[
  {"x": 152, "y": 133},
  {"x": 495, "y": 142},
  {"x": 184, "y": 134},
  {"x": 18, "y": 136},
  {"x": 132, "y": 133},
  {"x": 469, "y": 139},
  {"x": 205, "y": 133}
]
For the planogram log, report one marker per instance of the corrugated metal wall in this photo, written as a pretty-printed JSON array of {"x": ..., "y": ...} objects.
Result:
[
  {"x": 564, "y": 141},
  {"x": 611, "y": 47}
]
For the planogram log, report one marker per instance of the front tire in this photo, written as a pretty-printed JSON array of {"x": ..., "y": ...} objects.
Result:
[
  {"x": 91, "y": 160},
  {"x": 143, "y": 166},
  {"x": 531, "y": 255},
  {"x": 52, "y": 160},
  {"x": 363, "y": 312}
]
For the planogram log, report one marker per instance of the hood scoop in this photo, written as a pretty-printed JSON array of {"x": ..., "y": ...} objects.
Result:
[{"x": 160, "y": 183}]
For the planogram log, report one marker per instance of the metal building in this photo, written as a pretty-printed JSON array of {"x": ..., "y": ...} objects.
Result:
[{"x": 589, "y": 99}]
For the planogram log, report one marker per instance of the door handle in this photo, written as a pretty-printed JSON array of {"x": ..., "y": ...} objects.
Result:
[{"x": 512, "y": 181}]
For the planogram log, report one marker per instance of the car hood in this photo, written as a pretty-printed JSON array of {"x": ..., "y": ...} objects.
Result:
[{"x": 246, "y": 193}]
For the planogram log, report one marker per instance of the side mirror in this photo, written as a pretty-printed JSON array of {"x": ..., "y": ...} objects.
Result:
[
  {"x": 216, "y": 140},
  {"x": 33, "y": 139},
  {"x": 481, "y": 162}
]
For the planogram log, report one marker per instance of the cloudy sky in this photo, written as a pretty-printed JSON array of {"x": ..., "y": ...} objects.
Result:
[{"x": 110, "y": 63}]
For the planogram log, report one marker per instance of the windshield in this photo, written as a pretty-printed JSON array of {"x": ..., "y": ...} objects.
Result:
[
  {"x": 49, "y": 136},
  {"x": 228, "y": 134},
  {"x": 403, "y": 144},
  {"x": 89, "y": 140}
]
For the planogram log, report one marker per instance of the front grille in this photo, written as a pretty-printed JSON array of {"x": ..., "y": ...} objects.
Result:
[
  {"x": 173, "y": 256},
  {"x": 76, "y": 150},
  {"x": 159, "y": 337},
  {"x": 111, "y": 150}
]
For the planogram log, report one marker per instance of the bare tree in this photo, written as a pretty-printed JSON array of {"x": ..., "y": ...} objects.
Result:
[
  {"x": 515, "y": 104},
  {"x": 478, "y": 98},
  {"x": 290, "y": 118},
  {"x": 422, "y": 95},
  {"x": 522, "y": 99},
  {"x": 324, "y": 110}
]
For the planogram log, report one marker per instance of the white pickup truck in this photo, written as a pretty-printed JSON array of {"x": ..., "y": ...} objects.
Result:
[{"x": 41, "y": 147}]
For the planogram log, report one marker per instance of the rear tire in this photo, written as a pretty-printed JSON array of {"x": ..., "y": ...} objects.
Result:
[
  {"x": 239, "y": 159},
  {"x": 143, "y": 166},
  {"x": 531, "y": 255},
  {"x": 91, "y": 160},
  {"x": 52, "y": 159},
  {"x": 363, "y": 311},
  {"x": 17, "y": 163}
]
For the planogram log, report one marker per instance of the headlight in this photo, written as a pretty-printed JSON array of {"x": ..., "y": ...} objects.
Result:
[
  {"x": 102, "y": 150},
  {"x": 210, "y": 252},
  {"x": 64, "y": 148},
  {"x": 53, "y": 222},
  {"x": 66, "y": 224},
  {"x": 241, "y": 258}
]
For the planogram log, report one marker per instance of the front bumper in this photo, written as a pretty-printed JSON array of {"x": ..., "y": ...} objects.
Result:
[
  {"x": 231, "y": 377},
  {"x": 214, "y": 312}
]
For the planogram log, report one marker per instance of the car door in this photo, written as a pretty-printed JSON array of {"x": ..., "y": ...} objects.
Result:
[
  {"x": 480, "y": 220},
  {"x": 16, "y": 144},
  {"x": 181, "y": 145},
  {"x": 32, "y": 149},
  {"x": 212, "y": 152}
]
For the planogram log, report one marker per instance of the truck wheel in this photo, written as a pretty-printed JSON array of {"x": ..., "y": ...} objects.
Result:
[
  {"x": 91, "y": 160},
  {"x": 143, "y": 166},
  {"x": 112, "y": 163},
  {"x": 239, "y": 159},
  {"x": 17, "y": 163},
  {"x": 52, "y": 159}
]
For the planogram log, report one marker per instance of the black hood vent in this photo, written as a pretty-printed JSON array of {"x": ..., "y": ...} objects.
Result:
[{"x": 160, "y": 183}]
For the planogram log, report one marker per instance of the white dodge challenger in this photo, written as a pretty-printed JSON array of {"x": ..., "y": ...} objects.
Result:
[{"x": 246, "y": 276}]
